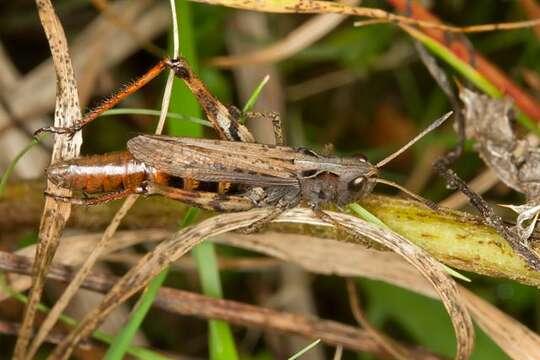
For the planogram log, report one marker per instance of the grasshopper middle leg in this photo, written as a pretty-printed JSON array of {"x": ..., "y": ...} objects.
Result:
[{"x": 276, "y": 123}]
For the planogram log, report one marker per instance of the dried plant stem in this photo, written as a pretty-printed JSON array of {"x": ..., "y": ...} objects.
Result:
[
  {"x": 377, "y": 15},
  {"x": 55, "y": 214},
  {"x": 188, "y": 303},
  {"x": 82, "y": 273},
  {"x": 480, "y": 184},
  {"x": 398, "y": 352}
]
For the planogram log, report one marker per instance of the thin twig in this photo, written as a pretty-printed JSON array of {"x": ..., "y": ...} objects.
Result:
[{"x": 188, "y": 303}]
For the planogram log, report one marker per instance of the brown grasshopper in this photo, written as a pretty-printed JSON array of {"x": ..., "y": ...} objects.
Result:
[{"x": 234, "y": 174}]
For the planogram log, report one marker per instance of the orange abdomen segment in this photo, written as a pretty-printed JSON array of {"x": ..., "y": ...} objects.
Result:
[{"x": 100, "y": 173}]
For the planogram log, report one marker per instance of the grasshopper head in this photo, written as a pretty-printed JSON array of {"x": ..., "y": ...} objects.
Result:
[{"x": 357, "y": 181}]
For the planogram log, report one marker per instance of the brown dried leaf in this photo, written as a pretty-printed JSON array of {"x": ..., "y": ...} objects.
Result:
[
  {"x": 430, "y": 268},
  {"x": 487, "y": 121},
  {"x": 515, "y": 161}
]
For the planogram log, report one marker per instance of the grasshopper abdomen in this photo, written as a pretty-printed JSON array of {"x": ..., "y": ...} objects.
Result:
[
  {"x": 120, "y": 172},
  {"x": 105, "y": 173}
]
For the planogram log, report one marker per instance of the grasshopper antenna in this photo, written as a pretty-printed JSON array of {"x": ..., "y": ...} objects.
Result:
[
  {"x": 430, "y": 204},
  {"x": 431, "y": 127}
]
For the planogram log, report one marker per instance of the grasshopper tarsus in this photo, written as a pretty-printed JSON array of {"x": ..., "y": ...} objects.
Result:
[
  {"x": 58, "y": 130},
  {"x": 179, "y": 66}
]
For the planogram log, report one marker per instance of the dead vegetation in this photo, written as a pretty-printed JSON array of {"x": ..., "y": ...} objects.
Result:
[{"x": 406, "y": 245}]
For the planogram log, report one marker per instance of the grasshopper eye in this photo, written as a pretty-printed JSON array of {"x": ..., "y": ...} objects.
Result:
[
  {"x": 357, "y": 184},
  {"x": 360, "y": 157}
]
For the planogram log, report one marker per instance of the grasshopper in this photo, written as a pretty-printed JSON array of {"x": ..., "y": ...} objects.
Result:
[{"x": 231, "y": 174}]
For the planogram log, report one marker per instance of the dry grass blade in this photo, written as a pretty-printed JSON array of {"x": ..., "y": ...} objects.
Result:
[
  {"x": 317, "y": 255},
  {"x": 55, "y": 214},
  {"x": 327, "y": 7},
  {"x": 85, "y": 269},
  {"x": 54, "y": 337},
  {"x": 421, "y": 260},
  {"x": 151, "y": 265},
  {"x": 187, "y": 303},
  {"x": 172, "y": 249},
  {"x": 82, "y": 273},
  {"x": 300, "y": 38}
]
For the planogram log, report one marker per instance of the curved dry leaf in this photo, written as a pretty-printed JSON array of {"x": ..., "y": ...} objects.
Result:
[
  {"x": 183, "y": 241},
  {"x": 151, "y": 265},
  {"x": 331, "y": 257},
  {"x": 421, "y": 260}
]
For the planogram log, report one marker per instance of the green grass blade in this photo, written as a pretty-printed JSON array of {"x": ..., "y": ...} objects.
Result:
[
  {"x": 369, "y": 217},
  {"x": 12, "y": 165},
  {"x": 150, "y": 112},
  {"x": 255, "y": 95},
  {"x": 122, "y": 341},
  {"x": 221, "y": 342}
]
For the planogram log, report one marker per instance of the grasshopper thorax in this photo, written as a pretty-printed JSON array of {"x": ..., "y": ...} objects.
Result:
[{"x": 339, "y": 181}]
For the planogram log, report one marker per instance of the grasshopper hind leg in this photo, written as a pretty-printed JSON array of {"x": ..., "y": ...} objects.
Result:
[
  {"x": 95, "y": 200},
  {"x": 201, "y": 199}
]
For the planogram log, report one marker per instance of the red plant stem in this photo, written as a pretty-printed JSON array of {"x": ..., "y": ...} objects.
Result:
[
  {"x": 524, "y": 101},
  {"x": 532, "y": 9}
]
